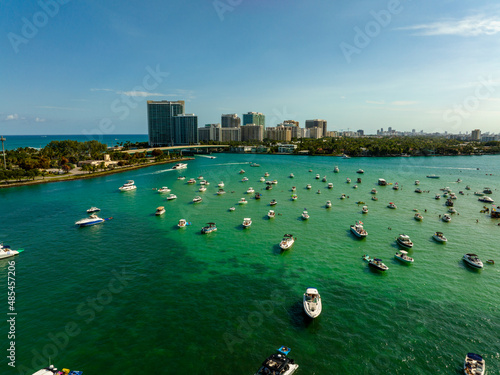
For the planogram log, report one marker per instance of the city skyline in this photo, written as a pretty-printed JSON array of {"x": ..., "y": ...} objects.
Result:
[{"x": 90, "y": 68}]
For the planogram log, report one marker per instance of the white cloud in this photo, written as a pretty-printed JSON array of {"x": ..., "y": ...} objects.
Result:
[
  {"x": 60, "y": 108},
  {"x": 15, "y": 116},
  {"x": 101, "y": 90},
  {"x": 38, "y": 119},
  {"x": 143, "y": 94},
  {"x": 469, "y": 26}
]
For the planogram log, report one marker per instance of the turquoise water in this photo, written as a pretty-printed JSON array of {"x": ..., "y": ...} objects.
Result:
[{"x": 137, "y": 293}]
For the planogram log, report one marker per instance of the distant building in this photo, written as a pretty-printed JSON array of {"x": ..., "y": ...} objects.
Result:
[
  {"x": 286, "y": 148},
  {"x": 255, "y": 118},
  {"x": 252, "y": 132},
  {"x": 186, "y": 129},
  {"x": 230, "y": 134},
  {"x": 475, "y": 135},
  {"x": 211, "y": 132},
  {"x": 361, "y": 132},
  {"x": 290, "y": 123},
  {"x": 230, "y": 121},
  {"x": 161, "y": 128},
  {"x": 280, "y": 133},
  {"x": 315, "y": 132},
  {"x": 317, "y": 124}
]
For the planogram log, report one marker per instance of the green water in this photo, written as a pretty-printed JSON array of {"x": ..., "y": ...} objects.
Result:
[{"x": 137, "y": 294}]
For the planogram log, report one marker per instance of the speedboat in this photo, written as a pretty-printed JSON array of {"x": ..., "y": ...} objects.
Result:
[
  {"x": 91, "y": 220},
  {"x": 437, "y": 196},
  {"x": 171, "y": 197},
  {"x": 202, "y": 188},
  {"x": 432, "y": 176},
  {"x": 191, "y": 181},
  {"x": 274, "y": 182},
  {"x": 6, "y": 251},
  {"x": 164, "y": 189},
  {"x": 404, "y": 241},
  {"x": 271, "y": 214},
  {"x": 355, "y": 187},
  {"x": 418, "y": 190},
  {"x": 294, "y": 197},
  {"x": 467, "y": 187},
  {"x": 278, "y": 364},
  {"x": 377, "y": 264},
  {"x": 344, "y": 156},
  {"x": 330, "y": 185},
  {"x": 258, "y": 195},
  {"x": 232, "y": 209},
  {"x": 324, "y": 179},
  {"x": 204, "y": 182},
  {"x": 181, "y": 177},
  {"x": 160, "y": 211},
  {"x": 254, "y": 165},
  {"x": 250, "y": 190},
  {"x": 312, "y": 303},
  {"x": 403, "y": 257},
  {"x": 374, "y": 198},
  {"x": 291, "y": 175},
  {"x": 358, "y": 180},
  {"x": 374, "y": 191},
  {"x": 287, "y": 242},
  {"x": 221, "y": 191},
  {"x": 93, "y": 209},
  {"x": 446, "y": 218},
  {"x": 51, "y": 370},
  {"x": 486, "y": 199},
  {"x": 342, "y": 196},
  {"x": 417, "y": 182},
  {"x": 328, "y": 204},
  {"x": 453, "y": 196},
  {"x": 262, "y": 179},
  {"x": 308, "y": 186},
  {"x": 247, "y": 222},
  {"x": 364, "y": 209},
  {"x": 473, "y": 260},
  {"x": 197, "y": 199},
  {"x": 305, "y": 215},
  {"x": 382, "y": 182},
  {"x": 395, "y": 186},
  {"x": 336, "y": 169},
  {"x": 180, "y": 166},
  {"x": 294, "y": 188},
  {"x": 392, "y": 205},
  {"x": 319, "y": 191},
  {"x": 348, "y": 180},
  {"x": 474, "y": 364},
  {"x": 439, "y": 237},
  {"x": 459, "y": 180},
  {"x": 182, "y": 223},
  {"x": 242, "y": 201},
  {"x": 273, "y": 202},
  {"x": 266, "y": 174},
  {"x": 358, "y": 230},
  {"x": 418, "y": 217},
  {"x": 244, "y": 179},
  {"x": 209, "y": 228},
  {"x": 127, "y": 186},
  {"x": 200, "y": 177},
  {"x": 487, "y": 190},
  {"x": 317, "y": 177},
  {"x": 242, "y": 171},
  {"x": 478, "y": 193},
  {"x": 360, "y": 171},
  {"x": 452, "y": 210}
]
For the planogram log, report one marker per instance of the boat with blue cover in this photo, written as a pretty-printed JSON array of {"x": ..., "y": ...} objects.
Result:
[
  {"x": 51, "y": 370},
  {"x": 278, "y": 364},
  {"x": 91, "y": 220},
  {"x": 209, "y": 228},
  {"x": 474, "y": 364}
]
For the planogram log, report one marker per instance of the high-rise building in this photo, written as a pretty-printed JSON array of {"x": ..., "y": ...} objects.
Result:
[
  {"x": 290, "y": 122},
  {"x": 361, "y": 132},
  {"x": 280, "y": 133},
  {"x": 252, "y": 132},
  {"x": 230, "y": 121},
  {"x": 316, "y": 132},
  {"x": 161, "y": 129},
  {"x": 255, "y": 118},
  {"x": 211, "y": 132},
  {"x": 231, "y": 134},
  {"x": 475, "y": 135},
  {"x": 317, "y": 124},
  {"x": 294, "y": 126},
  {"x": 186, "y": 129}
]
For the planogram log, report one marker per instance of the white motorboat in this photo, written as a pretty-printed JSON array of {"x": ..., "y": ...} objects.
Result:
[
  {"x": 202, "y": 188},
  {"x": 278, "y": 364},
  {"x": 171, "y": 197},
  {"x": 294, "y": 197},
  {"x": 478, "y": 193},
  {"x": 487, "y": 190},
  {"x": 473, "y": 260},
  {"x": 91, "y": 220},
  {"x": 348, "y": 180},
  {"x": 6, "y": 251},
  {"x": 164, "y": 189},
  {"x": 180, "y": 166},
  {"x": 404, "y": 241},
  {"x": 395, "y": 186},
  {"x": 221, "y": 191},
  {"x": 242, "y": 201},
  {"x": 250, "y": 190},
  {"x": 305, "y": 215},
  {"x": 204, "y": 182},
  {"x": 312, "y": 303},
  {"x": 274, "y": 182},
  {"x": 287, "y": 242},
  {"x": 209, "y": 228},
  {"x": 377, "y": 264},
  {"x": 262, "y": 179},
  {"x": 330, "y": 185},
  {"x": 403, "y": 257},
  {"x": 308, "y": 186},
  {"x": 486, "y": 199},
  {"x": 266, "y": 174},
  {"x": 374, "y": 198},
  {"x": 273, "y": 202},
  {"x": 342, "y": 196},
  {"x": 417, "y": 182},
  {"x": 344, "y": 156},
  {"x": 160, "y": 211},
  {"x": 244, "y": 179},
  {"x": 181, "y": 177},
  {"x": 242, "y": 171},
  {"x": 319, "y": 191},
  {"x": 127, "y": 186},
  {"x": 360, "y": 171},
  {"x": 294, "y": 188},
  {"x": 364, "y": 209},
  {"x": 418, "y": 190},
  {"x": 191, "y": 181},
  {"x": 232, "y": 209},
  {"x": 336, "y": 169},
  {"x": 452, "y": 210},
  {"x": 197, "y": 199},
  {"x": 93, "y": 209},
  {"x": 291, "y": 175},
  {"x": 439, "y": 237},
  {"x": 328, "y": 204},
  {"x": 474, "y": 364},
  {"x": 437, "y": 196},
  {"x": 271, "y": 214},
  {"x": 373, "y": 191},
  {"x": 418, "y": 217},
  {"x": 382, "y": 182},
  {"x": 355, "y": 187},
  {"x": 446, "y": 218},
  {"x": 247, "y": 222},
  {"x": 392, "y": 205},
  {"x": 358, "y": 230},
  {"x": 182, "y": 223},
  {"x": 432, "y": 176},
  {"x": 324, "y": 179},
  {"x": 51, "y": 370},
  {"x": 317, "y": 177}
]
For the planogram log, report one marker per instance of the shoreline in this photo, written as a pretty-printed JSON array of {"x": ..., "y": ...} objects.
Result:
[{"x": 87, "y": 175}]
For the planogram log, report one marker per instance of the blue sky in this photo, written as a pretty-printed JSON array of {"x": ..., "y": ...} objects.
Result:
[{"x": 75, "y": 66}]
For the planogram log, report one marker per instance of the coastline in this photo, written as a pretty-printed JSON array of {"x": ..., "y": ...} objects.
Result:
[{"x": 87, "y": 175}]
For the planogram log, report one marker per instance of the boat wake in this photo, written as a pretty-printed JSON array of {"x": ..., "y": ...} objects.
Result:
[{"x": 163, "y": 171}]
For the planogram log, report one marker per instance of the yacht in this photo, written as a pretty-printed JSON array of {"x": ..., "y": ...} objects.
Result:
[
  {"x": 171, "y": 197},
  {"x": 446, "y": 218},
  {"x": 250, "y": 190},
  {"x": 202, "y": 188},
  {"x": 291, "y": 175},
  {"x": 348, "y": 180},
  {"x": 294, "y": 197},
  {"x": 180, "y": 166},
  {"x": 182, "y": 223},
  {"x": 247, "y": 222},
  {"x": 358, "y": 230},
  {"x": 403, "y": 257},
  {"x": 392, "y": 205},
  {"x": 360, "y": 171},
  {"x": 191, "y": 181},
  {"x": 6, "y": 251},
  {"x": 305, "y": 215},
  {"x": 473, "y": 260},
  {"x": 51, "y": 370},
  {"x": 287, "y": 242},
  {"x": 404, "y": 241},
  {"x": 271, "y": 214},
  {"x": 164, "y": 189},
  {"x": 364, "y": 209},
  {"x": 417, "y": 182},
  {"x": 278, "y": 364},
  {"x": 317, "y": 177},
  {"x": 374, "y": 191},
  {"x": 308, "y": 186},
  {"x": 127, "y": 186},
  {"x": 93, "y": 209},
  {"x": 273, "y": 202},
  {"x": 200, "y": 177},
  {"x": 197, "y": 199},
  {"x": 439, "y": 237},
  {"x": 312, "y": 303},
  {"x": 418, "y": 217},
  {"x": 474, "y": 364},
  {"x": 244, "y": 179},
  {"x": 377, "y": 264},
  {"x": 221, "y": 191},
  {"x": 328, "y": 204},
  {"x": 336, "y": 169},
  {"x": 242, "y": 201},
  {"x": 418, "y": 190},
  {"x": 330, "y": 185},
  {"x": 209, "y": 228},
  {"x": 160, "y": 211},
  {"x": 486, "y": 199},
  {"x": 91, "y": 220}
]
